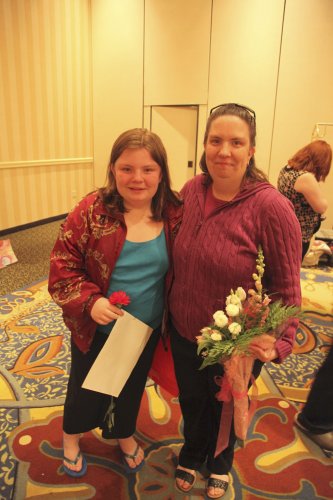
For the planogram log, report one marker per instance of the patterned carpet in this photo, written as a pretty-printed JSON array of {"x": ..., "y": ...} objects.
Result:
[
  {"x": 277, "y": 463},
  {"x": 313, "y": 339},
  {"x": 32, "y": 248}
]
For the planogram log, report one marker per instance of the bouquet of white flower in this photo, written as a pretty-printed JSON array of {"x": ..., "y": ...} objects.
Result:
[{"x": 246, "y": 317}]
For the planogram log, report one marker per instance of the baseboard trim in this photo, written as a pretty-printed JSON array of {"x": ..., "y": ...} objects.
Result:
[{"x": 10, "y": 230}]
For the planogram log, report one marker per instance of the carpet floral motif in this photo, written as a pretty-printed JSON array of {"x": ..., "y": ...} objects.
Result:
[
  {"x": 276, "y": 463},
  {"x": 314, "y": 337}
]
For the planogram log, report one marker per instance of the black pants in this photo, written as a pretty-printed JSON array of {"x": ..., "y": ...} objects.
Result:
[
  {"x": 306, "y": 244},
  {"x": 317, "y": 414},
  {"x": 305, "y": 248},
  {"x": 200, "y": 408},
  {"x": 85, "y": 410}
]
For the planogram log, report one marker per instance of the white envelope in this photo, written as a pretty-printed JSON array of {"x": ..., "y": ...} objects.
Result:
[{"x": 119, "y": 355}]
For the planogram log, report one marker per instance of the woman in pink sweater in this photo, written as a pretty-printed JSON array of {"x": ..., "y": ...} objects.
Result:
[{"x": 229, "y": 211}]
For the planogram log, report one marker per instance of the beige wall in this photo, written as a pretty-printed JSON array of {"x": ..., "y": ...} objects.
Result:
[
  {"x": 305, "y": 84},
  {"x": 76, "y": 73},
  {"x": 245, "y": 60},
  {"x": 45, "y": 108},
  {"x": 177, "y": 39},
  {"x": 117, "y": 70},
  {"x": 273, "y": 56}
]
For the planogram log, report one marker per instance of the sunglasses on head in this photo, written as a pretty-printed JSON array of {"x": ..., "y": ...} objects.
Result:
[{"x": 245, "y": 108}]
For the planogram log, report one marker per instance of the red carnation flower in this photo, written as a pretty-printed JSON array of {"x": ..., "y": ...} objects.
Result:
[{"x": 119, "y": 299}]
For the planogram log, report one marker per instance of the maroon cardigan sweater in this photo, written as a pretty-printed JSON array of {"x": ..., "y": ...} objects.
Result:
[{"x": 216, "y": 253}]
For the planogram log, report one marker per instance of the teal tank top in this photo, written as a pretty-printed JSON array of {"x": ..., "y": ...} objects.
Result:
[{"x": 140, "y": 271}]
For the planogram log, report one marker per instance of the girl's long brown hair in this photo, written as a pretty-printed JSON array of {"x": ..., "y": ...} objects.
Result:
[{"x": 137, "y": 138}]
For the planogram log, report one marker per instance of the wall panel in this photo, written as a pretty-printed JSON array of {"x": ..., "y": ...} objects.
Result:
[
  {"x": 33, "y": 193},
  {"x": 177, "y": 38},
  {"x": 45, "y": 106},
  {"x": 305, "y": 89},
  {"x": 117, "y": 41},
  {"x": 244, "y": 61}
]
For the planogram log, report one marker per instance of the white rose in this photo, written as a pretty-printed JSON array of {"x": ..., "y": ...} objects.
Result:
[
  {"x": 235, "y": 329},
  {"x": 216, "y": 336},
  {"x": 220, "y": 319},
  {"x": 232, "y": 310},
  {"x": 240, "y": 292}
]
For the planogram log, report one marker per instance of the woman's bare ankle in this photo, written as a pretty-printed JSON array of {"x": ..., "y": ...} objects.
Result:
[
  {"x": 133, "y": 453},
  {"x": 71, "y": 445}
]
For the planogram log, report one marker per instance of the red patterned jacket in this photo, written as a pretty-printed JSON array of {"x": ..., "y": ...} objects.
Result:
[{"x": 87, "y": 248}]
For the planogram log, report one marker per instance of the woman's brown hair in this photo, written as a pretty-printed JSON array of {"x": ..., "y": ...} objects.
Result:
[
  {"x": 315, "y": 157},
  {"x": 253, "y": 173},
  {"x": 137, "y": 138}
]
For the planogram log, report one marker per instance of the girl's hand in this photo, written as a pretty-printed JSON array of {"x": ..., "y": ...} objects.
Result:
[
  {"x": 263, "y": 348},
  {"x": 103, "y": 312}
]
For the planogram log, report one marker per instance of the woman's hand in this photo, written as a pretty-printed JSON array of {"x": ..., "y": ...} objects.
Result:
[
  {"x": 103, "y": 312},
  {"x": 263, "y": 348}
]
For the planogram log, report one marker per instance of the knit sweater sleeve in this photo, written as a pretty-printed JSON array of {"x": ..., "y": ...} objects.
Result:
[{"x": 282, "y": 242}]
